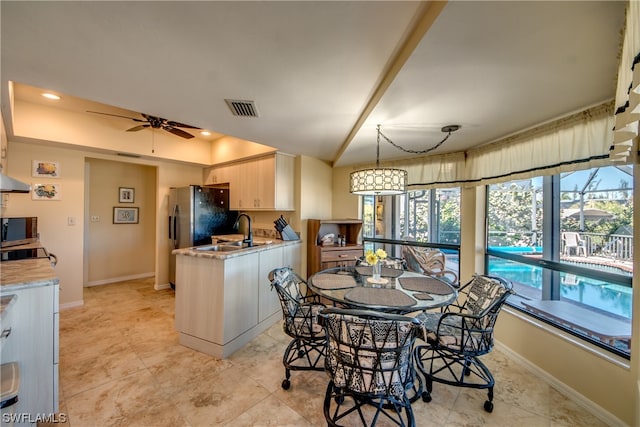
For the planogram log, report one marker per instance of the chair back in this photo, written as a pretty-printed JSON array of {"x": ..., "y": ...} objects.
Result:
[
  {"x": 370, "y": 353},
  {"x": 467, "y": 325},
  {"x": 571, "y": 238},
  {"x": 299, "y": 310},
  {"x": 431, "y": 262}
]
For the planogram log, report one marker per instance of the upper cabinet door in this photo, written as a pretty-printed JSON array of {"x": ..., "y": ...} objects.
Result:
[{"x": 264, "y": 183}]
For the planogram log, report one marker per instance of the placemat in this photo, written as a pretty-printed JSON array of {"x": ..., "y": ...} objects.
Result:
[
  {"x": 334, "y": 281},
  {"x": 380, "y": 296},
  {"x": 367, "y": 270},
  {"x": 425, "y": 284},
  {"x": 423, "y": 297}
]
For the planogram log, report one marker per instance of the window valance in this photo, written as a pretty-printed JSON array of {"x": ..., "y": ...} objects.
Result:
[
  {"x": 446, "y": 170},
  {"x": 628, "y": 89},
  {"x": 583, "y": 138}
]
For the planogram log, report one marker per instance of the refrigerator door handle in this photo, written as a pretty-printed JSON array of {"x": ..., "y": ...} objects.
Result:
[{"x": 175, "y": 227}]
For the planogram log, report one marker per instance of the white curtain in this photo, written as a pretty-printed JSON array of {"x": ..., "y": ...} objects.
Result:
[
  {"x": 582, "y": 138},
  {"x": 628, "y": 88},
  {"x": 439, "y": 171}
]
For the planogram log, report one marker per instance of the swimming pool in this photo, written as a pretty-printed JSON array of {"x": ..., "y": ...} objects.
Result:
[{"x": 605, "y": 296}]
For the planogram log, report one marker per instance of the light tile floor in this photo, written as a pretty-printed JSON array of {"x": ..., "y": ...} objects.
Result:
[{"x": 121, "y": 365}]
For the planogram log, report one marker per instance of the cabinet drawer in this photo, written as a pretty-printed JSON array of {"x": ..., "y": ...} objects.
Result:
[{"x": 340, "y": 255}]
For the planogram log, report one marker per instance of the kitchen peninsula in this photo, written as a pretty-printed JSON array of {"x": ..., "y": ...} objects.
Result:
[{"x": 223, "y": 295}]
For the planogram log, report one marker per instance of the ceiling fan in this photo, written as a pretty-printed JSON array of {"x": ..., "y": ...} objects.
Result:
[{"x": 155, "y": 123}]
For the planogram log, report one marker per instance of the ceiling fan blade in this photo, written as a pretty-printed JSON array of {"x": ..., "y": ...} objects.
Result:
[
  {"x": 181, "y": 125},
  {"x": 117, "y": 115},
  {"x": 178, "y": 132},
  {"x": 137, "y": 128}
]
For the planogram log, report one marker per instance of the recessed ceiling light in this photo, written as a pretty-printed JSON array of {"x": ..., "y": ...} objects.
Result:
[
  {"x": 51, "y": 96},
  {"x": 205, "y": 133}
]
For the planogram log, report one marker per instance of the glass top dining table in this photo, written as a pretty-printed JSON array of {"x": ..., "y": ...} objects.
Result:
[{"x": 398, "y": 291}]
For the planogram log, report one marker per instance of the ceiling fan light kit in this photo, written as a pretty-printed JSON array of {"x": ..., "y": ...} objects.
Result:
[{"x": 388, "y": 181}]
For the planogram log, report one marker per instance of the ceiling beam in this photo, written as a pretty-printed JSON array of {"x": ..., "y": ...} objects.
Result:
[{"x": 425, "y": 17}]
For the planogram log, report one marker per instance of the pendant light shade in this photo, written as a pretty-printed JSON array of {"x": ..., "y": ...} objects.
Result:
[{"x": 379, "y": 182}]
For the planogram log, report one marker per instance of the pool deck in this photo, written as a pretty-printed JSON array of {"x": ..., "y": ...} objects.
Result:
[{"x": 600, "y": 260}]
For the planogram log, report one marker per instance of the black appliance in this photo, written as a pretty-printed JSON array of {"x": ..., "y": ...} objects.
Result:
[
  {"x": 18, "y": 230},
  {"x": 195, "y": 214}
]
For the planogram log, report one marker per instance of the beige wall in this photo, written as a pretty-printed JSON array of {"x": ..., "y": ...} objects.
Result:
[
  {"x": 67, "y": 241},
  {"x": 115, "y": 252},
  {"x": 315, "y": 196},
  {"x": 345, "y": 204},
  {"x": 106, "y": 134},
  {"x": 227, "y": 149},
  {"x": 60, "y": 238}
]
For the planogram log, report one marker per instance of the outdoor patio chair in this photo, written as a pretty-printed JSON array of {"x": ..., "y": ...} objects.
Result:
[
  {"x": 300, "y": 313},
  {"x": 431, "y": 262},
  {"x": 370, "y": 363},
  {"x": 573, "y": 241},
  {"x": 460, "y": 334}
]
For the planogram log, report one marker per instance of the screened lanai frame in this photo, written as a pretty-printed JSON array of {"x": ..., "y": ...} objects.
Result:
[{"x": 545, "y": 271}]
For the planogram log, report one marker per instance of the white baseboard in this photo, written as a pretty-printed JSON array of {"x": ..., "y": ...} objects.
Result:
[
  {"x": 119, "y": 279},
  {"x": 588, "y": 405},
  {"x": 158, "y": 287}
]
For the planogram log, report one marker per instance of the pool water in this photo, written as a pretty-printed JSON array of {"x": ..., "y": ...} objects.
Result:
[{"x": 605, "y": 296}]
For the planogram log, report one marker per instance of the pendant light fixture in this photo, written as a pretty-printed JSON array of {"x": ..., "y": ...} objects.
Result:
[{"x": 387, "y": 181}]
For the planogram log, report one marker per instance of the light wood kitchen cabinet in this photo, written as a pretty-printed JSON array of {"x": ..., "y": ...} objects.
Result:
[
  {"x": 33, "y": 343},
  {"x": 222, "y": 302},
  {"x": 268, "y": 302},
  {"x": 262, "y": 183},
  {"x": 219, "y": 175},
  {"x": 292, "y": 257},
  {"x": 214, "y": 298},
  {"x": 265, "y": 183}
]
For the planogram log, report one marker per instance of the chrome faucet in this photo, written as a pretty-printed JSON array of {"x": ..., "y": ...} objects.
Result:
[{"x": 249, "y": 239}]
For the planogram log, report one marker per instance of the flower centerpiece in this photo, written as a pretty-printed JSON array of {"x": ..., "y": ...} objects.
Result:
[{"x": 373, "y": 259}]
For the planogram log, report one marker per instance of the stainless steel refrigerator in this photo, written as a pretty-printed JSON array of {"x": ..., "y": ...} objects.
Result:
[{"x": 195, "y": 214}]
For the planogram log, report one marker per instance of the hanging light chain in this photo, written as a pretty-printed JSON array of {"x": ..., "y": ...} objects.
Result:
[{"x": 449, "y": 129}]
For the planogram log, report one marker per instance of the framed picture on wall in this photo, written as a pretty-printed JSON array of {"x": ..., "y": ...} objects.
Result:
[
  {"x": 45, "y": 169},
  {"x": 45, "y": 192},
  {"x": 126, "y": 195},
  {"x": 123, "y": 215}
]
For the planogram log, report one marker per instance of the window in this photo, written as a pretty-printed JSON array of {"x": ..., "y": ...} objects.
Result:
[
  {"x": 566, "y": 243},
  {"x": 431, "y": 218}
]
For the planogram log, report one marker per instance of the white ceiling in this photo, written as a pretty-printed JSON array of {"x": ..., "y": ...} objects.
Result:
[{"x": 323, "y": 74}]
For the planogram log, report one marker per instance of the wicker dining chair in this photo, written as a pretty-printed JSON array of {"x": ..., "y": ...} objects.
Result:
[
  {"x": 370, "y": 363},
  {"x": 300, "y": 309},
  {"x": 431, "y": 262},
  {"x": 458, "y": 335}
]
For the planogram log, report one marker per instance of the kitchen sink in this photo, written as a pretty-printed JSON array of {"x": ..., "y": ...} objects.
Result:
[
  {"x": 226, "y": 247},
  {"x": 217, "y": 248},
  {"x": 240, "y": 243}
]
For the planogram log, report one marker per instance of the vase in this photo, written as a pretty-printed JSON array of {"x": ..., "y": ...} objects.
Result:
[{"x": 376, "y": 271}]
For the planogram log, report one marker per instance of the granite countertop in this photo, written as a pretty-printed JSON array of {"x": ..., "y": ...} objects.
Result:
[
  {"x": 264, "y": 244},
  {"x": 26, "y": 273}
]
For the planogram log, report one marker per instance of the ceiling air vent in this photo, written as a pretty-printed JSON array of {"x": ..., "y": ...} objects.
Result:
[{"x": 242, "y": 108}]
